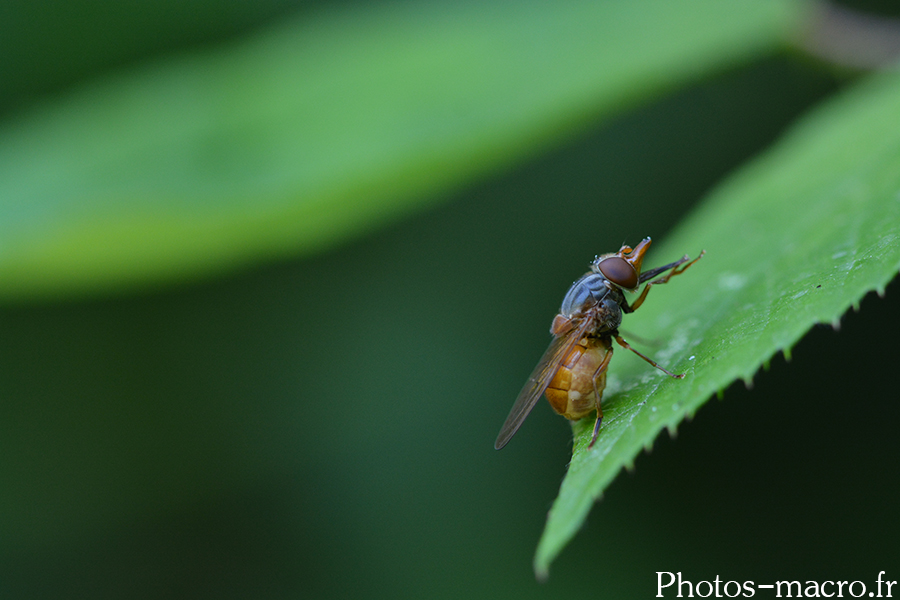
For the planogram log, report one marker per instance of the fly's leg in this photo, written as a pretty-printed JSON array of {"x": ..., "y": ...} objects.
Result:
[
  {"x": 625, "y": 345},
  {"x": 600, "y": 369},
  {"x": 641, "y": 340},
  {"x": 677, "y": 269}
]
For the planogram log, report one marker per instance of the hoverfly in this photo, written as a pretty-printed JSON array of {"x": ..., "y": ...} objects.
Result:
[{"x": 572, "y": 371}]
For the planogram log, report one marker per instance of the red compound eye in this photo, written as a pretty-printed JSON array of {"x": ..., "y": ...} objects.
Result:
[{"x": 619, "y": 271}]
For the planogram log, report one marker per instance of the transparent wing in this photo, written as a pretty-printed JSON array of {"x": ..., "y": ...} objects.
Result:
[{"x": 537, "y": 383}]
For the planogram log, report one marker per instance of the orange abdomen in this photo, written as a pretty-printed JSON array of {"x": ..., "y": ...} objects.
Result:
[{"x": 571, "y": 392}]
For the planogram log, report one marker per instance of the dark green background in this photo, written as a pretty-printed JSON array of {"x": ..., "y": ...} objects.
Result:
[{"x": 323, "y": 428}]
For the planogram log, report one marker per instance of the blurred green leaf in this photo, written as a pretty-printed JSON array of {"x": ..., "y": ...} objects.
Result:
[
  {"x": 793, "y": 240},
  {"x": 328, "y": 126}
]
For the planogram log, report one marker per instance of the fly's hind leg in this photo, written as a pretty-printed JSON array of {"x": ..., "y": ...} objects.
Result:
[{"x": 597, "y": 395}]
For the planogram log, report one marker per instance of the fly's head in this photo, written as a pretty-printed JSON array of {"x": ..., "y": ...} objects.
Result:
[{"x": 622, "y": 269}]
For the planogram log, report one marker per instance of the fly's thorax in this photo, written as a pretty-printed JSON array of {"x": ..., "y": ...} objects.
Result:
[
  {"x": 608, "y": 315},
  {"x": 591, "y": 297},
  {"x": 584, "y": 294}
]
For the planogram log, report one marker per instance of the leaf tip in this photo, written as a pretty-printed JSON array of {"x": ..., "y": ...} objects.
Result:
[
  {"x": 786, "y": 352},
  {"x": 748, "y": 382},
  {"x": 541, "y": 572}
]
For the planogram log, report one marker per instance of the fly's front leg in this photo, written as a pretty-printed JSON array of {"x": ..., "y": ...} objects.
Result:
[{"x": 677, "y": 269}]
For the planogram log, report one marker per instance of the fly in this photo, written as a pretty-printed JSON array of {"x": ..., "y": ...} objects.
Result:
[{"x": 572, "y": 372}]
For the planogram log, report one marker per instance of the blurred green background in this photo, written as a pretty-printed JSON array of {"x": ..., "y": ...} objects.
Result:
[{"x": 323, "y": 428}]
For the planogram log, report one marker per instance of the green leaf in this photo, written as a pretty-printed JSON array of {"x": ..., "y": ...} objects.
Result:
[
  {"x": 329, "y": 126},
  {"x": 793, "y": 240}
]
